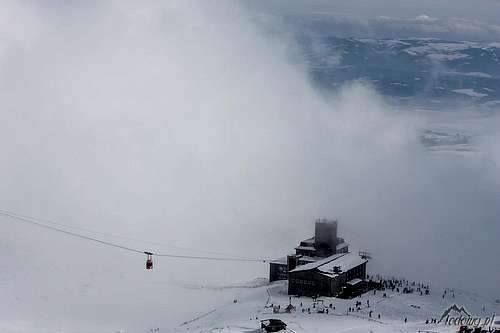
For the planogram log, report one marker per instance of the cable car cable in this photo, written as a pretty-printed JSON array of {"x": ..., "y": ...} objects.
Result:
[
  {"x": 45, "y": 221},
  {"x": 209, "y": 258},
  {"x": 42, "y": 225},
  {"x": 36, "y": 222}
]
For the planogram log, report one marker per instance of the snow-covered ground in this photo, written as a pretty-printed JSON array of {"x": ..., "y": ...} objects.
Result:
[
  {"x": 254, "y": 304},
  {"x": 469, "y": 92}
]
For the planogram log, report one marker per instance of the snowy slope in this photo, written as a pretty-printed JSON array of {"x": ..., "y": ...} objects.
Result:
[{"x": 256, "y": 303}]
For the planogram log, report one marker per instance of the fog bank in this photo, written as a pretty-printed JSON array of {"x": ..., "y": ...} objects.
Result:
[{"x": 184, "y": 124}]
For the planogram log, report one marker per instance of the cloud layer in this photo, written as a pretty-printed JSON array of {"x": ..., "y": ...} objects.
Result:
[{"x": 183, "y": 124}]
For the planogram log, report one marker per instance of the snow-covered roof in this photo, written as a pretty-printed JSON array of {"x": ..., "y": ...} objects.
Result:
[
  {"x": 345, "y": 261},
  {"x": 309, "y": 241},
  {"x": 318, "y": 263},
  {"x": 307, "y": 258},
  {"x": 305, "y": 248},
  {"x": 342, "y": 245},
  {"x": 281, "y": 261},
  {"x": 284, "y": 260},
  {"x": 354, "y": 282}
]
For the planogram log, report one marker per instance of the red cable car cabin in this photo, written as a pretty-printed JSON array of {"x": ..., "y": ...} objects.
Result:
[{"x": 149, "y": 260}]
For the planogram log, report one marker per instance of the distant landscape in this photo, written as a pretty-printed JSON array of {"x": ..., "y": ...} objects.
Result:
[{"x": 425, "y": 72}]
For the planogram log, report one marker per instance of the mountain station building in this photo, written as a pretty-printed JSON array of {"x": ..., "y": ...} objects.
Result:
[{"x": 321, "y": 265}]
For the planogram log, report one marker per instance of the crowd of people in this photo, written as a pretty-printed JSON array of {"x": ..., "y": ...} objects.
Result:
[
  {"x": 380, "y": 284},
  {"x": 384, "y": 286}
]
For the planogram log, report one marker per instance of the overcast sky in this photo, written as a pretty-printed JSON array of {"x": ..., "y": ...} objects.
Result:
[
  {"x": 453, "y": 19},
  {"x": 483, "y": 10}
]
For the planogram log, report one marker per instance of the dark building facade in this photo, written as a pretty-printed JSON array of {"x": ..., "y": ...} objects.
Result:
[
  {"x": 328, "y": 276},
  {"x": 322, "y": 265},
  {"x": 323, "y": 244},
  {"x": 278, "y": 270}
]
